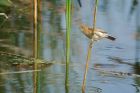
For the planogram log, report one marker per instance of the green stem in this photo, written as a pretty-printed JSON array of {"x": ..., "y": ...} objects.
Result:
[{"x": 68, "y": 26}]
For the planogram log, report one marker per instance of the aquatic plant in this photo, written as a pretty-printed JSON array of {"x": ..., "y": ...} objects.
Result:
[
  {"x": 68, "y": 28},
  {"x": 5, "y": 2},
  {"x": 90, "y": 47},
  {"x": 35, "y": 51}
]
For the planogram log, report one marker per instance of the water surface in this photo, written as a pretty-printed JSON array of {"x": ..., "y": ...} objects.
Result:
[{"x": 120, "y": 18}]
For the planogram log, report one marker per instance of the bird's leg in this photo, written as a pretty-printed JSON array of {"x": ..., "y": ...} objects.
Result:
[{"x": 91, "y": 43}]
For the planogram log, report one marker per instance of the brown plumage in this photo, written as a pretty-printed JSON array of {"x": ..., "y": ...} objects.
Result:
[{"x": 98, "y": 33}]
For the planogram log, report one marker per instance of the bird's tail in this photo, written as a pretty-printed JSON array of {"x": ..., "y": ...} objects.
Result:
[{"x": 111, "y": 38}]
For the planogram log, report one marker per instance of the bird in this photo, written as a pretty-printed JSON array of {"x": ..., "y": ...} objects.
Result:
[{"x": 97, "y": 35}]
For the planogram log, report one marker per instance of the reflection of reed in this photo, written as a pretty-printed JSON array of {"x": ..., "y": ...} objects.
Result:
[
  {"x": 137, "y": 53},
  {"x": 16, "y": 42},
  {"x": 136, "y": 6},
  {"x": 53, "y": 35}
]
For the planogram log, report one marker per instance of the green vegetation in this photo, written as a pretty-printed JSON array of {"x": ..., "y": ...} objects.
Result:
[
  {"x": 68, "y": 26},
  {"x": 5, "y": 3}
]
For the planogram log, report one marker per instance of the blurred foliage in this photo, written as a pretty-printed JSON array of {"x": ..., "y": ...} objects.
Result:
[
  {"x": 19, "y": 20},
  {"x": 5, "y": 6},
  {"x": 18, "y": 11},
  {"x": 19, "y": 6},
  {"x": 5, "y": 3}
]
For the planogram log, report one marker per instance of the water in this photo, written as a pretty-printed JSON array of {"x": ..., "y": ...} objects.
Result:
[{"x": 120, "y": 18}]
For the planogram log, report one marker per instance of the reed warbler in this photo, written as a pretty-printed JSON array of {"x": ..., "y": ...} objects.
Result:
[{"x": 97, "y": 35}]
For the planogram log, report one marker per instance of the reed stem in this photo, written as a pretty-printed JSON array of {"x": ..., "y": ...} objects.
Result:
[
  {"x": 90, "y": 47},
  {"x": 35, "y": 46},
  {"x": 68, "y": 26},
  {"x": 35, "y": 29},
  {"x": 87, "y": 65},
  {"x": 94, "y": 16}
]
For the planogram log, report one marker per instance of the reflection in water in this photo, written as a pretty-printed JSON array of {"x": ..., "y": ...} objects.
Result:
[
  {"x": 134, "y": 5},
  {"x": 21, "y": 39},
  {"x": 52, "y": 32},
  {"x": 137, "y": 37},
  {"x": 16, "y": 37},
  {"x": 137, "y": 54},
  {"x": 2, "y": 87}
]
